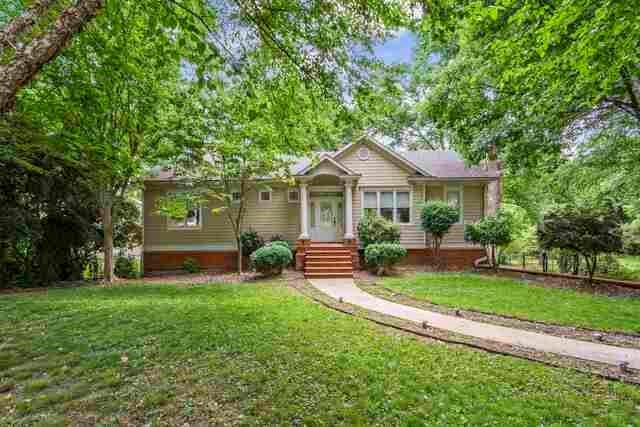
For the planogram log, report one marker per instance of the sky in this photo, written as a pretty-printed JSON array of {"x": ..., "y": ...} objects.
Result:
[{"x": 397, "y": 50}]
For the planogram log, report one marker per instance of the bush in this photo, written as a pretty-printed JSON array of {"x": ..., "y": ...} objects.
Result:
[
  {"x": 376, "y": 229},
  {"x": 491, "y": 232},
  {"x": 281, "y": 242},
  {"x": 383, "y": 256},
  {"x": 125, "y": 267},
  {"x": 191, "y": 265},
  {"x": 437, "y": 219},
  {"x": 251, "y": 242},
  {"x": 269, "y": 260},
  {"x": 631, "y": 237}
]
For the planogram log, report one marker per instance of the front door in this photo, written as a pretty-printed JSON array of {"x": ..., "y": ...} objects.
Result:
[{"x": 326, "y": 219}]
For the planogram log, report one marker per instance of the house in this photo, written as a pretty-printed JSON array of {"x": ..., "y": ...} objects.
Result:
[{"x": 320, "y": 213}]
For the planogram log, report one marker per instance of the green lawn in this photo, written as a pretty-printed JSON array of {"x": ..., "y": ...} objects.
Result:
[
  {"x": 517, "y": 298},
  {"x": 263, "y": 354}
]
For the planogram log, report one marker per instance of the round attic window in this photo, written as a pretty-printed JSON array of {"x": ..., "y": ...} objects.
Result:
[{"x": 363, "y": 153}]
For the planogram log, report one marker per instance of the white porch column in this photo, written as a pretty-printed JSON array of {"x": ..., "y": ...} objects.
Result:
[
  {"x": 348, "y": 207},
  {"x": 304, "y": 217}
]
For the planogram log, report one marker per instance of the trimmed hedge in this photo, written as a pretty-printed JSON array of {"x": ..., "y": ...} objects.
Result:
[
  {"x": 383, "y": 256},
  {"x": 269, "y": 260}
]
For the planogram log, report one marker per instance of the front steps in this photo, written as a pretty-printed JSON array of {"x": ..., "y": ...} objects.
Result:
[{"x": 328, "y": 260}]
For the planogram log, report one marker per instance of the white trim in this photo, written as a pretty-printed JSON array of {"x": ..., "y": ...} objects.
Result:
[
  {"x": 364, "y": 156},
  {"x": 268, "y": 190},
  {"x": 198, "y": 227},
  {"x": 385, "y": 149},
  {"x": 327, "y": 158},
  {"x": 191, "y": 247},
  {"x": 234, "y": 201},
  {"x": 364, "y": 190},
  {"x": 293, "y": 190}
]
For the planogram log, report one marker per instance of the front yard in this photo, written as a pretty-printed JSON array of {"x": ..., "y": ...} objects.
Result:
[
  {"x": 263, "y": 354},
  {"x": 512, "y": 297}
]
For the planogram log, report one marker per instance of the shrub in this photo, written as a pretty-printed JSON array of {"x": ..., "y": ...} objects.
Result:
[
  {"x": 191, "y": 265},
  {"x": 376, "y": 229},
  {"x": 281, "y": 242},
  {"x": 587, "y": 230},
  {"x": 631, "y": 237},
  {"x": 383, "y": 256},
  {"x": 491, "y": 232},
  {"x": 125, "y": 267},
  {"x": 269, "y": 260},
  {"x": 251, "y": 242},
  {"x": 437, "y": 219}
]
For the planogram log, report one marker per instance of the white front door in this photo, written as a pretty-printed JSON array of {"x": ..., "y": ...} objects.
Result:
[{"x": 326, "y": 217}]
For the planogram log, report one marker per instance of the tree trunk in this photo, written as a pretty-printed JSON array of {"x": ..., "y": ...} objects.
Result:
[
  {"x": 29, "y": 60},
  {"x": 239, "y": 243},
  {"x": 23, "y": 23},
  {"x": 107, "y": 246}
]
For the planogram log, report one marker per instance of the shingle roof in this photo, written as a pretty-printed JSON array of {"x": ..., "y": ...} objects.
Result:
[{"x": 439, "y": 163}]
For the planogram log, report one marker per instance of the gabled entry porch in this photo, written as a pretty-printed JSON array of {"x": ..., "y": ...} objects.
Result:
[{"x": 326, "y": 209}]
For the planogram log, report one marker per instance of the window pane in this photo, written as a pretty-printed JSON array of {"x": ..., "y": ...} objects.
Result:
[
  {"x": 370, "y": 200},
  {"x": 193, "y": 218},
  {"x": 386, "y": 199},
  {"x": 402, "y": 199},
  {"x": 265, "y": 196},
  {"x": 453, "y": 199},
  {"x": 404, "y": 215},
  {"x": 387, "y": 213},
  {"x": 312, "y": 214},
  {"x": 294, "y": 195}
]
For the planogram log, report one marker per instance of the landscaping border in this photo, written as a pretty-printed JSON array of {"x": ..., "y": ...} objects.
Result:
[{"x": 584, "y": 366}]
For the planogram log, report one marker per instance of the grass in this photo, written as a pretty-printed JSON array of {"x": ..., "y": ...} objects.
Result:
[
  {"x": 263, "y": 354},
  {"x": 516, "y": 298}
]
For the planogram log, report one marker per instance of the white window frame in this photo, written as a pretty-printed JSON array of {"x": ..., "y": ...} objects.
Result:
[
  {"x": 395, "y": 203},
  {"x": 364, "y": 153},
  {"x": 234, "y": 201},
  {"x": 293, "y": 190},
  {"x": 268, "y": 190},
  {"x": 173, "y": 227},
  {"x": 460, "y": 189}
]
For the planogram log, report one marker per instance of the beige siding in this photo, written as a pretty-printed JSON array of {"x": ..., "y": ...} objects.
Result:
[
  {"x": 378, "y": 170},
  {"x": 267, "y": 218}
]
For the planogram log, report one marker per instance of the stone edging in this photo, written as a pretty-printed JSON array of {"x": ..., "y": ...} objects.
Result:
[{"x": 583, "y": 366}]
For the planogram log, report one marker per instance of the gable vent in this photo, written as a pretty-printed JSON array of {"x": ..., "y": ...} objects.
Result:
[{"x": 363, "y": 153}]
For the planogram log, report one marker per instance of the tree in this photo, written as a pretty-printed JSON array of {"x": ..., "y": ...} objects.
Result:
[
  {"x": 114, "y": 95},
  {"x": 437, "y": 219},
  {"x": 491, "y": 232},
  {"x": 587, "y": 230},
  {"x": 28, "y": 52}
]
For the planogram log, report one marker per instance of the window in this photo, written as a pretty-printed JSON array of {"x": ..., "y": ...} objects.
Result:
[
  {"x": 392, "y": 205},
  {"x": 294, "y": 195},
  {"x": 403, "y": 207},
  {"x": 370, "y": 203},
  {"x": 363, "y": 153},
  {"x": 386, "y": 205},
  {"x": 236, "y": 196},
  {"x": 454, "y": 199},
  {"x": 264, "y": 196},
  {"x": 312, "y": 214},
  {"x": 193, "y": 220}
]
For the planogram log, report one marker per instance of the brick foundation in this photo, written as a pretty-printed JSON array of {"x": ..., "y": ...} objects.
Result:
[
  {"x": 224, "y": 261},
  {"x": 452, "y": 258}
]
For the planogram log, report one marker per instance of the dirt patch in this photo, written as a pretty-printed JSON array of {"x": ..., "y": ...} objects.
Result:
[{"x": 432, "y": 335}]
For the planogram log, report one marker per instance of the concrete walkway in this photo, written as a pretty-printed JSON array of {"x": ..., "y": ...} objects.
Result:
[{"x": 350, "y": 293}]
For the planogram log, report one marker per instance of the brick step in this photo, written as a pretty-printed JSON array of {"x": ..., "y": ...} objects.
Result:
[
  {"x": 347, "y": 269},
  {"x": 327, "y": 252},
  {"x": 327, "y": 275},
  {"x": 330, "y": 263},
  {"x": 326, "y": 246}
]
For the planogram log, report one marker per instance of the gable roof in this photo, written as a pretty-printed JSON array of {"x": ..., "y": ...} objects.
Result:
[
  {"x": 328, "y": 158},
  {"x": 386, "y": 150}
]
